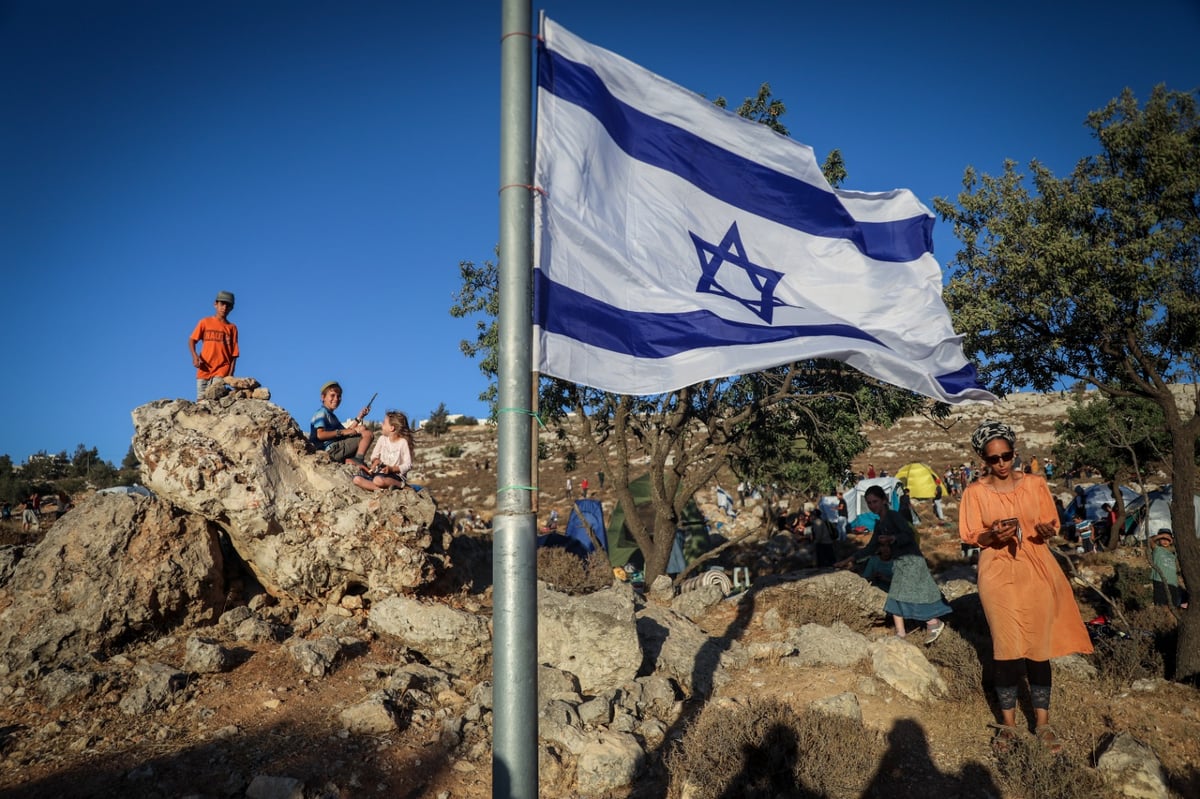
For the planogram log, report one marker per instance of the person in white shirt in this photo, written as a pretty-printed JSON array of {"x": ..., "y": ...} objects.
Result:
[{"x": 392, "y": 457}]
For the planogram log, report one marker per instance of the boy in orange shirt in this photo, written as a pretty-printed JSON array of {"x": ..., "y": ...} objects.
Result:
[{"x": 218, "y": 357}]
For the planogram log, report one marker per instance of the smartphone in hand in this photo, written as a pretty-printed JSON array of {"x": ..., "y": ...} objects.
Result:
[{"x": 1014, "y": 522}]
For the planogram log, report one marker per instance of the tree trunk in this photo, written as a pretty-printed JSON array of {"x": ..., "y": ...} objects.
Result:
[{"x": 1187, "y": 545}]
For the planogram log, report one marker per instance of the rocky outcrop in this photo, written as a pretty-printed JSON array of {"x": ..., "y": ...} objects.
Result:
[
  {"x": 295, "y": 518},
  {"x": 112, "y": 569}
]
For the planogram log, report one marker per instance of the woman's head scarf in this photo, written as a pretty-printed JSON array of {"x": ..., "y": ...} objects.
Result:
[{"x": 989, "y": 430}]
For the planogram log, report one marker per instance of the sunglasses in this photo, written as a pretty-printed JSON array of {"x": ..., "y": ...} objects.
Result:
[{"x": 992, "y": 460}]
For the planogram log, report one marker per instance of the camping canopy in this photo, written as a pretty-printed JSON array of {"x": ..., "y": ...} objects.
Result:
[
  {"x": 919, "y": 479},
  {"x": 690, "y": 540}
]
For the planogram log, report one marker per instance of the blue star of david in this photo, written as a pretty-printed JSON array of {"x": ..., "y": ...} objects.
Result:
[{"x": 731, "y": 251}]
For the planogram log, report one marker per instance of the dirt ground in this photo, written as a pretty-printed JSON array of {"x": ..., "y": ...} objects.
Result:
[{"x": 265, "y": 717}]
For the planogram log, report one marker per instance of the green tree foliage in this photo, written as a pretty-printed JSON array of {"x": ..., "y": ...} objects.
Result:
[
  {"x": 438, "y": 422},
  {"x": 130, "y": 461},
  {"x": 1095, "y": 277},
  {"x": 44, "y": 473},
  {"x": 479, "y": 298},
  {"x": 797, "y": 425}
]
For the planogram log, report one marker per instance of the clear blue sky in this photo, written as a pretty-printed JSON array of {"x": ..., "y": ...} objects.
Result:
[{"x": 332, "y": 162}]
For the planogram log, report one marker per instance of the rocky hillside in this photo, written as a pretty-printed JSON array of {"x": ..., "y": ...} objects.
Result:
[{"x": 262, "y": 628}]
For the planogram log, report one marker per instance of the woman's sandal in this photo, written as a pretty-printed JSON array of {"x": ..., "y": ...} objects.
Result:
[
  {"x": 1049, "y": 738},
  {"x": 1005, "y": 738}
]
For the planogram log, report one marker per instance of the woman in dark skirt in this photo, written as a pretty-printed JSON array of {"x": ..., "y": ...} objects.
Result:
[{"x": 913, "y": 594}]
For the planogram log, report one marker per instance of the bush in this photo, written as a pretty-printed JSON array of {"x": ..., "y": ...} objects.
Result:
[
  {"x": 959, "y": 665},
  {"x": 465, "y": 421},
  {"x": 799, "y": 609},
  {"x": 452, "y": 451},
  {"x": 566, "y": 572},
  {"x": 768, "y": 749},
  {"x": 1130, "y": 585},
  {"x": 1029, "y": 769},
  {"x": 1119, "y": 661}
]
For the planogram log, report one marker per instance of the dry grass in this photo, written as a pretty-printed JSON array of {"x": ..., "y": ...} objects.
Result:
[
  {"x": 570, "y": 574},
  {"x": 800, "y": 609},
  {"x": 959, "y": 664},
  {"x": 1028, "y": 769},
  {"x": 767, "y": 749}
]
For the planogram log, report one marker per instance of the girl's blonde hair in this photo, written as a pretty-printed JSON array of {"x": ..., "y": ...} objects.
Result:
[{"x": 400, "y": 423}]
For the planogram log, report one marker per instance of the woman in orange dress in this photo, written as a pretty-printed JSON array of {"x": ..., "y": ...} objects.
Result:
[{"x": 1028, "y": 602}]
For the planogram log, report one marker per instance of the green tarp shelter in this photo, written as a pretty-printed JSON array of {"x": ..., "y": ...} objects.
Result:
[{"x": 621, "y": 546}]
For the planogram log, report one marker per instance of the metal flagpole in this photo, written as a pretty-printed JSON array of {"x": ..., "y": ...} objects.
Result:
[{"x": 514, "y": 553}]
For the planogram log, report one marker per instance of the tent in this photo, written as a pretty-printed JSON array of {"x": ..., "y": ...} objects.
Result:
[
  {"x": 690, "y": 540},
  {"x": 919, "y": 479},
  {"x": 133, "y": 490},
  {"x": 576, "y": 539},
  {"x": 856, "y": 503},
  {"x": 1153, "y": 516},
  {"x": 1095, "y": 497},
  {"x": 1159, "y": 515}
]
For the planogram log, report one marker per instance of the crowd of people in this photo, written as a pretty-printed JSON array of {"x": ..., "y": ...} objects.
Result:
[{"x": 1007, "y": 521}]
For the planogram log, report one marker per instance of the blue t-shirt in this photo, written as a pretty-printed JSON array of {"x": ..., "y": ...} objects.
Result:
[{"x": 323, "y": 419}]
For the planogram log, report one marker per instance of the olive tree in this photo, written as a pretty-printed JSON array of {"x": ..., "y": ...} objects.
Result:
[{"x": 1095, "y": 277}]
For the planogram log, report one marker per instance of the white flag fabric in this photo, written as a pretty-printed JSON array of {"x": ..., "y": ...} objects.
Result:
[{"x": 677, "y": 242}]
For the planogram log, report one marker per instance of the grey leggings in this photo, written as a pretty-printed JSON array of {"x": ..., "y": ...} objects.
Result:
[{"x": 1008, "y": 677}]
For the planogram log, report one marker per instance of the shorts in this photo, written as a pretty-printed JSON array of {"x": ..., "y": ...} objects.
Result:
[{"x": 343, "y": 448}]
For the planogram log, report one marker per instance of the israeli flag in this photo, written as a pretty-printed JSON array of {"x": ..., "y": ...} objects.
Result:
[{"x": 676, "y": 242}]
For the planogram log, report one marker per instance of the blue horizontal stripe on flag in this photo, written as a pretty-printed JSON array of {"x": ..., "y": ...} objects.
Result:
[
  {"x": 727, "y": 176},
  {"x": 964, "y": 379},
  {"x": 643, "y": 334}
]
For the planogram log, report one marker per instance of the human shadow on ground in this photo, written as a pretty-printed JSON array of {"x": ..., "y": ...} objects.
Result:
[{"x": 907, "y": 770}]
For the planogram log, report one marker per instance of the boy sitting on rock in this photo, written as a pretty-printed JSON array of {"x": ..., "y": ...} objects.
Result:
[{"x": 344, "y": 444}]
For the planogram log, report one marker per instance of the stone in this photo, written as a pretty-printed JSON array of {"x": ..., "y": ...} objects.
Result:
[
  {"x": 316, "y": 657},
  {"x": 829, "y": 646},
  {"x": 905, "y": 668},
  {"x": 235, "y": 616},
  {"x": 292, "y": 516},
  {"x": 439, "y": 632},
  {"x": 595, "y": 712},
  {"x": 267, "y": 787},
  {"x": 843, "y": 587},
  {"x": 563, "y": 734},
  {"x": 594, "y": 637},
  {"x": 61, "y": 684},
  {"x": 374, "y": 715},
  {"x": 113, "y": 570},
  {"x": 662, "y": 590},
  {"x": 844, "y": 704},
  {"x": 692, "y": 604},
  {"x": 557, "y": 684},
  {"x": 206, "y": 656},
  {"x": 1132, "y": 768},
  {"x": 259, "y": 631},
  {"x": 676, "y": 648},
  {"x": 1073, "y": 667},
  {"x": 610, "y": 761},
  {"x": 158, "y": 683}
]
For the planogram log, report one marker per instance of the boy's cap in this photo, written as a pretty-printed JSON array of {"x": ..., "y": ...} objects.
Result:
[
  {"x": 224, "y": 296},
  {"x": 329, "y": 385},
  {"x": 1164, "y": 534}
]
